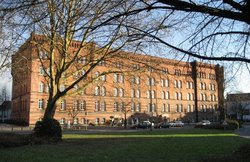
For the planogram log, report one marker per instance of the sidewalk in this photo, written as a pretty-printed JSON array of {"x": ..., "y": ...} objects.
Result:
[{"x": 244, "y": 131}]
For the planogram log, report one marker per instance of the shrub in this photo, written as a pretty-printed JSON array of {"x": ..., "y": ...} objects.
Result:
[
  {"x": 48, "y": 130},
  {"x": 234, "y": 123}
]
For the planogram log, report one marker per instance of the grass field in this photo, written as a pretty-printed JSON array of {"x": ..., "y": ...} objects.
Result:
[{"x": 165, "y": 145}]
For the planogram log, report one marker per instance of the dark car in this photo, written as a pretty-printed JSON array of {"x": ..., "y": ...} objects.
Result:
[
  {"x": 143, "y": 125},
  {"x": 162, "y": 125}
]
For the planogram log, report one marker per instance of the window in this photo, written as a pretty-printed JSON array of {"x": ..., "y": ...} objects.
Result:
[
  {"x": 41, "y": 87},
  {"x": 121, "y": 92},
  {"x": 137, "y": 93},
  {"x": 136, "y": 66},
  {"x": 115, "y": 92},
  {"x": 83, "y": 105},
  {"x": 180, "y": 108},
  {"x": 76, "y": 87},
  {"x": 162, "y": 83},
  {"x": 137, "y": 80},
  {"x": 119, "y": 65},
  {"x": 40, "y": 103},
  {"x": 115, "y": 78},
  {"x": 62, "y": 121},
  {"x": 75, "y": 121},
  {"x": 97, "y": 91},
  {"x": 167, "y": 95},
  {"x": 62, "y": 104},
  {"x": 41, "y": 71},
  {"x": 150, "y": 69},
  {"x": 116, "y": 106},
  {"x": 122, "y": 106},
  {"x": 151, "y": 107},
  {"x": 97, "y": 120},
  {"x": 103, "y": 91},
  {"x": 151, "y": 81},
  {"x": 180, "y": 96},
  {"x": 163, "y": 109},
  {"x": 75, "y": 105},
  {"x": 83, "y": 72},
  {"x": 102, "y": 63},
  {"x": 175, "y": 84},
  {"x": 177, "y": 72},
  {"x": 103, "y": 121},
  {"x": 97, "y": 74},
  {"x": 132, "y": 106},
  {"x": 103, "y": 106},
  {"x": 177, "y": 108},
  {"x": 97, "y": 105},
  {"x": 166, "y": 83},
  {"x": 188, "y": 96},
  {"x": 103, "y": 77},
  {"x": 179, "y": 84},
  {"x": 121, "y": 78},
  {"x": 47, "y": 88},
  {"x": 43, "y": 54},
  {"x": 138, "y": 107},
  {"x": 164, "y": 71},
  {"x": 132, "y": 93},
  {"x": 163, "y": 95},
  {"x": 151, "y": 94},
  {"x": 84, "y": 121},
  {"x": 62, "y": 88},
  {"x": 189, "y": 108}
]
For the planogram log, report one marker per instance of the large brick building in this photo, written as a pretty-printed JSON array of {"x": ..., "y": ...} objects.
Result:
[{"x": 142, "y": 84}]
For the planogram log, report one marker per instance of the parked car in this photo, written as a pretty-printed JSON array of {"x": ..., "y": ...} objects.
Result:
[
  {"x": 143, "y": 125},
  {"x": 204, "y": 122},
  {"x": 176, "y": 124},
  {"x": 162, "y": 125}
]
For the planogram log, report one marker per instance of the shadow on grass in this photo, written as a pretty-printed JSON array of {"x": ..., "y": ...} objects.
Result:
[{"x": 168, "y": 145}]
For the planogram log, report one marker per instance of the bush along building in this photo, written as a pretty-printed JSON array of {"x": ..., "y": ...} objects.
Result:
[{"x": 118, "y": 87}]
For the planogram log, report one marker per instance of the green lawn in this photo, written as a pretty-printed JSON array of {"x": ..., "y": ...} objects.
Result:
[{"x": 166, "y": 145}]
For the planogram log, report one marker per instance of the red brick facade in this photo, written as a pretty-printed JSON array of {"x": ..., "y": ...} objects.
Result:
[{"x": 172, "y": 88}]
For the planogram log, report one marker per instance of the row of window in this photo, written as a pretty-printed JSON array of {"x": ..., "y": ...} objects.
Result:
[
  {"x": 120, "y": 106},
  {"x": 83, "y": 121},
  {"x": 119, "y": 78},
  {"x": 101, "y": 91}
]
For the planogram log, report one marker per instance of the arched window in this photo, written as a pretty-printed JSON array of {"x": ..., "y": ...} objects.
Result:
[
  {"x": 167, "y": 95},
  {"x": 137, "y": 80},
  {"x": 180, "y": 96},
  {"x": 138, "y": 94},
  {"x": 180, "y": 84},
  {"x": 115, "y": 78},
  {"x": 132, "y": 93},
  {"x": 115, "y": 92},
  {"x": 176, "y": 96},
  {"x": 175, "y": 84},
  {"x": 97, "y": 91},
  {"x": 163, "y": 95},
  {"x": 103, "y": 91},
  {"x": 103, "y": 106},
  {"x": 162, "y": 83},
  {"x": 121, "y": 92},
  {"x": 166, "y": 83}
]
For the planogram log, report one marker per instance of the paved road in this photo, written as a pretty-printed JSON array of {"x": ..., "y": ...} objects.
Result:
[{"x": 244, "y": 131}]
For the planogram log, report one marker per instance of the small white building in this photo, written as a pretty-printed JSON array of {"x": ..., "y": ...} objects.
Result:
[{"x": 238, "y": 106}]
